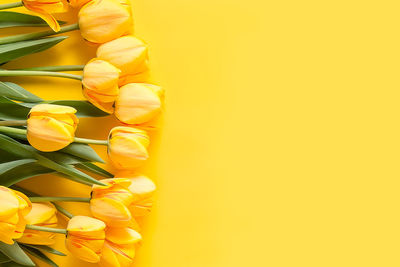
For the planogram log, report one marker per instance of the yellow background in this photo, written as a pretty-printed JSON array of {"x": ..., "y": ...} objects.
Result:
[{"x": 280, "y": 144}]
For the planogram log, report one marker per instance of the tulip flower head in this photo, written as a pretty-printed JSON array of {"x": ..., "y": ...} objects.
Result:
[
  {"x": 51, "y": 127},
  {"x": 138, "y": 103},
  {"x": 100, "y": 84},
  {"x": 42, "y": 214},
  {"x": 44, "y": 9},
  {"x": 14, "y": 207},
  {"x": 110, "y": 203},
  {"x": 120, "y": 247},
  {"x": 85, "y": 238},
  {"x": 130, "y": 55},
  {"x": 101, "y": 21},
  {"x": 127, "y": 147}
]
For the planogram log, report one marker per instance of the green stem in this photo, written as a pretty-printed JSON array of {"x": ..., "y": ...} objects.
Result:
[
  {"x": 63, "y": 211},
  {"x": 11, "y": 130},
  {"x": 91, "y": 141},
  {"x": 46, "y": 229},
  {"x": 60, "y": 199},
  {"x": 11, "y": 5},
  {"x": 9, "y": 73},
  {"x": 36, "y": 35},
  {"x": 13, "y": 123},
  {"x": 58, "y": 68}
]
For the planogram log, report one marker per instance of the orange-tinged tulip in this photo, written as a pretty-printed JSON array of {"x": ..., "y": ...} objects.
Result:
[
  {"x": 101, "y": 21},
  {"x": 110, "y": 203},
  {"x": 14, "y": 207},
  {"x": 42, "y": 214},
  {"x": 100, "y": 84},
  {"x": 85, "y": 238},
  {"x": 127, "y": 147},
  {"x": 51, "y": 127},
  {"x": 120, "y": 247},
  {"x": 78, "y": 3},
  {"x": 44, "y": 9},
  {"x": 138, "y": 103},
  {"x": 130, "y": 55}
]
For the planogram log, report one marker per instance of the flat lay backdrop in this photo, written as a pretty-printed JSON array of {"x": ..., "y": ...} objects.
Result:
[{"x": 280, "y": 144}]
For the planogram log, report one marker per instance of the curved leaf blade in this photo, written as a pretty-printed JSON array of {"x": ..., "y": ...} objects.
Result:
[
  {"x": 15, "y": 19},
  {"x": 16, "y": 254},
  {"x": 46, "y": 249},
  {"x": 16, "y": 92}
]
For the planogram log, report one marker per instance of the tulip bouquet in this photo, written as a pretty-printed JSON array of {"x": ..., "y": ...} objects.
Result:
[{"x": 37, "y": 136}]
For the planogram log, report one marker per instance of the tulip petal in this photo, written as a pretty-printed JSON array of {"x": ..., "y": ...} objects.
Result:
[
  {"x": 80, "y": 251},
  {"x": 9, "y": 203},
  {"x": 111, "y": 211},
  {"x": 40, "y": 213},
  {"x": 85, "y": 224},
  {"x": 123, "y": 236}
]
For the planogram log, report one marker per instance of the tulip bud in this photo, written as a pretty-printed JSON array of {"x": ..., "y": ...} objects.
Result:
[
  {"x": 85, "y": 238},
  {"x": 51, "y": 127},
  {"x": 14, "y": 207},
  {"x": 138, "y": 103},
  {"x": 100, "y": 84},
  {"x": 110, "y": 203},
  {"x": 101, "y": 21},
  {"x": 44, "y": 9},
  {"x": 42, "y": 214},
  {"x": 130, "y": 55},
  {"x": 127, "y": 147},
  {"x": 120, "y": 247}
]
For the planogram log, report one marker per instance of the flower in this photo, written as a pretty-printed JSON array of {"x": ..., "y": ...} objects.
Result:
[
  {"x": 120, "y": 247},
  {"x": 101, "y": 21},
  {"x": 130, "y": 55},
  {"x": 78, "y": 3},
  {"x": 44, "y": 9},
  {"x": 138, "y": 103},
  {"x": 122, "y": 200},
  {"x": 51, "y": 127},
  {"x": 85, "y": 238},
  {"x": 14, "y": 207},
  {"x": 42, "y": 214},
  {"x": 110, "y": 203},
  {"x": 100, "y": 84},
  {"x": 127, "y": 147}
]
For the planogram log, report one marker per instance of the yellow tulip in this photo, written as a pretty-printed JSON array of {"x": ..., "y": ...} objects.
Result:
[
  {"x": 127, "y": 147},
  {"x": 78, "y": 3},
  {"x": 138, "y": 103},
  {"x": 143, "y": 189},
  {"x": 51, "y": 127},
  {"x": 100, "y": 84},
  {"x": 130, "y": 55},
  {"x": 42, "y": 214},
  {"x": 110, "y": 203},
  {"x": 101, "y": 21},
  {"x": 120, "y": 247},
  {"x": 44, "y": 9},
  {"x": 14, "y": 207},
  {"x": 85, "y": 238}
]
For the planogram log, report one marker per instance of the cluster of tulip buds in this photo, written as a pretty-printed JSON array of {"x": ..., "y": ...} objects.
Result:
[{"x": 116, "y": 82}]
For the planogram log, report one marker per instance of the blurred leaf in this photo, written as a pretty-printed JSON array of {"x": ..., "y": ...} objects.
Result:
[
  {"x": 4, "y": 167},
  {"x": 16, "y": 50},
  {"x": 15, "y": 253},
  {"x": 94, "y": 169},
  {"x": 9, "y": 144},
  {"x": 84, "y": 108},
  {"x": 46, "y": 249},
  {"x": 83, "y": 151},
  {"x": 15, "y": 19},
  {"x": 40, "y": 255},
  {"x": 16, "y": 92}
]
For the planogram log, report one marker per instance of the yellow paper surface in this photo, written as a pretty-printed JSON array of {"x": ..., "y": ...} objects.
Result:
[{"x": 280, "y": 144}]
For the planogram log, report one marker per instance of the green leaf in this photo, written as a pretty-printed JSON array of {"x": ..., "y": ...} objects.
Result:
[
  {"x": 40, "y": 255},
  {"x": 15, "y": 19},
  {"x": 15, "y": 253},
  {"x": 46, "y": 249},
  {"x": 16, "y": 92},
  {"x": 16, "y": 50},
  {"x": 11, "y": 264},
  {"x": 9, "y": 144},
  {"x": 95, "y": 169},
  {"x": 4, "y": 167},
  {"x": 84, "y": 108},
  {"x": 23, "y": 172},
  {"x": 83, "y": 151},
  {"x": 4, "y": 258},
  {"x": 10, "y": 110}
]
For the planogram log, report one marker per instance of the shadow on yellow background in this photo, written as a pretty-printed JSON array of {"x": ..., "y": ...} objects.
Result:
[{"x": 280, "y": 144}]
